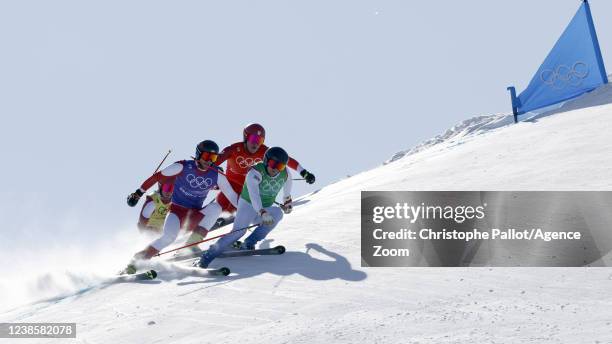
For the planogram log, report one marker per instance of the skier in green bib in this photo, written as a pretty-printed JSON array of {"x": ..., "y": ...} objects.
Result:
[{"x": 263, "y": 183}]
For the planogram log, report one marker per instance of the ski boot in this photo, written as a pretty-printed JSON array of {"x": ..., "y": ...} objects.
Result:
[
  {"x": 130, "y": 269},
  {"x": 219, "y": 223},
  {"x": 205, "y": 260},
  {"x": 247, "y": 246},
  {"x": 145, "y": 254}
]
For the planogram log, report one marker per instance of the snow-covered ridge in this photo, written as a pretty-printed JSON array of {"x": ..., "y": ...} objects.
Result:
[
  {"x": 472, "y": 126},
  {"x": 479, "y": 125}
]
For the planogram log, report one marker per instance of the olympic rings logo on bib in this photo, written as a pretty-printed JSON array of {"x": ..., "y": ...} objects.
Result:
[
  {"x": 162, "y": 211},
  {"x": 564, "y": 76},
  {"x": 199, "y": 182},
  {"x": 247, "y": 162},
  {"x": 271, "y": 185}
]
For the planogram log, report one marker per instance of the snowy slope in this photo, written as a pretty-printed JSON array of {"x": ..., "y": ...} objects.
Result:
[{"x": 317, "y": 292}]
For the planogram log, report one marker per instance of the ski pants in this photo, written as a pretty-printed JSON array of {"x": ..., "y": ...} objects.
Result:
[
  {"x": 225, "y": 204},
  {"x": 179, "y": 217},
  {"x": 245, "y": 216}
]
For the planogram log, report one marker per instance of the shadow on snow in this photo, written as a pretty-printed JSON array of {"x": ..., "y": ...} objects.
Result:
[{"x": 291, "y": 262}]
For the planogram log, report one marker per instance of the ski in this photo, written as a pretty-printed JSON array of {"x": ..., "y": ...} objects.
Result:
[
  {"x": 257, "y": 252},
  {"x": 147, "y": 275},
  {"x": 195, "y": 254},
  {"x": 224, "y": 271},
  {"x": 143, "y": 276}
]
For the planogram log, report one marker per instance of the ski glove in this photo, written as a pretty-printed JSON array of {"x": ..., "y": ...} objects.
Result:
[
  {"x": 287, "y": 207},
  {"x": 133, "y": 198},
  {"x": 309, "y": 177},
  {"x": 266, "y": 219}
]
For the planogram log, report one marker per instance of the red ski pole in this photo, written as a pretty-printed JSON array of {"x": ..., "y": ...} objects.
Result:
[{"x": 205, "y": 240}]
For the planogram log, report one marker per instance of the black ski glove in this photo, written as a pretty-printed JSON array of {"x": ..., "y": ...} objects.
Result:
[
  {"x": 133, "y": 198},
  {"x": 309, "y": 177}
]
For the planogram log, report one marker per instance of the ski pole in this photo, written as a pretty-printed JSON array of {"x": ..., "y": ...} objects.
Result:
[
  {"x": 218, "y": 169},
  {"x": 298, "y": 179},
  {"x": 209, "y": 239},
  {"x": 164, "y": 159}
]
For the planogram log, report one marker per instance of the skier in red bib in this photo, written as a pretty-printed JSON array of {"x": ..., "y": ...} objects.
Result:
[{"x": 240, "y": 156}]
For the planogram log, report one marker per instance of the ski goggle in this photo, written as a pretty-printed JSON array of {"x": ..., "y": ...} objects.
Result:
[
  {"x": 208, "y": 156},
  {"x": 255, "y": 139},
  {"x": 277, "y": 165},
  {"x": 167, "y": 188}
]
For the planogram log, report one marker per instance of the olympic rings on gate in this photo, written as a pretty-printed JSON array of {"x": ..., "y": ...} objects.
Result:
[{"x": 564, "y": 76}]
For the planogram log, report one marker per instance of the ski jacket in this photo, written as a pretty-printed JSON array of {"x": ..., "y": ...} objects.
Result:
[
  {"x": 191, "y": 184},
  {"x": 239, "y": 161},
  {"x": 260, "y": 189}
]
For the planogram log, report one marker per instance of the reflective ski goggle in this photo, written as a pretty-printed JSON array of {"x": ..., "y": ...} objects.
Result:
[
  {"x": 255, "y": 139},
  {"x": 279, "y": 166},
  {"x": 208, "y": 156},
  {"x": 167, "y": 188}
]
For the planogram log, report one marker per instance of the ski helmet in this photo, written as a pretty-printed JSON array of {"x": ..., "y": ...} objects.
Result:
[
  {"x": 276, "y": 157},
  {"x": 254, "y": 129},
  {"x": 207, "y": 146}
]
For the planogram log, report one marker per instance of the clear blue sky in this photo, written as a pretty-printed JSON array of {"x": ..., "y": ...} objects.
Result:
[{"x": 93, "y": 93}]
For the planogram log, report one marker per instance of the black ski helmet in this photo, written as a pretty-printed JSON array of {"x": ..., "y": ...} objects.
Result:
[
  {"x": 276, "y": 154},
  {"x": 206, "y": 146}
]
